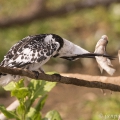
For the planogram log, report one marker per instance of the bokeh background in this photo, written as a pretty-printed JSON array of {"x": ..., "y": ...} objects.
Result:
[{"x": 80, "y": 21}]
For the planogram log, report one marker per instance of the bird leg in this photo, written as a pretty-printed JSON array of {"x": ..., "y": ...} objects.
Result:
[
  {"x": 36, "y": 74},
  {"x": 41, "y": 70}
]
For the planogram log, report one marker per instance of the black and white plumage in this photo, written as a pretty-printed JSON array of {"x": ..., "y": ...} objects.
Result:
[{"x": 34, "y": 51}]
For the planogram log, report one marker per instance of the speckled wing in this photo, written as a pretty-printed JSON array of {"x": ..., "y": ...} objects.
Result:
[{"x": 31, "y": 49}]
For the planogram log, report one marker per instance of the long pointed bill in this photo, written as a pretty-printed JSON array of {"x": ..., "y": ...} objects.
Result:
[{"x": 87, "y": 55}]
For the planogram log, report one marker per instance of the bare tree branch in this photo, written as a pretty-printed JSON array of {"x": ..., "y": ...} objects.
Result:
[
  {"x": 111, "y": 83},
  {"x": 37, "y": 10}
]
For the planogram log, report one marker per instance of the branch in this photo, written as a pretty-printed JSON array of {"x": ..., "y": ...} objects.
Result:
[
  {"x": 102, "y": 82},
  {"x": 37, "y": 10}
]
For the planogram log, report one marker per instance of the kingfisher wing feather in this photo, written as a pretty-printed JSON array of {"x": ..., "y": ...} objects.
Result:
[{"x": 31, "y": 49}]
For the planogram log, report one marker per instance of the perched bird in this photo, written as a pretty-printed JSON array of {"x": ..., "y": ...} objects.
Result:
[
  {"x": 32, "y": 52},
  {"x": 103, "y": 62}
]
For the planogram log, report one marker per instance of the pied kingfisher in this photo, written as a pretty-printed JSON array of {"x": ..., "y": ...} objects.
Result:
[{"x": 32, "y": 52}]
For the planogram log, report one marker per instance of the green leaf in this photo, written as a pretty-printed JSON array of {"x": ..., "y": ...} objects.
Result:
[
  {"x": 41, "y": 103},
  {"x": 51, "y": 73},
  {"x": 13, "y": 85},
  {"x": 9, "y": 87},
  {"x": 20, "y": 83},
  {"x": 49, "y": 85},
  {"x": 8, "y": 114},
  {"x": 33, "y": 114},
  {"x": 40, "y": 88},
  {"x": 20, "y": 110},
  {"x": 20, "y": 92},
  {"x": 52, "y": 115}
]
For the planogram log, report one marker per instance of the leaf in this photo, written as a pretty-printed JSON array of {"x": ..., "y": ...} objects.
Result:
[
  {"x": 33, "y": 114},
  {"x": 49, "y": 85},
  {"x": 41, "y": 103},
  {"x": 40, "y": 88},
  {"x": 8, "y": 114},
  {"x": 9, "y": 87},
  {"x": 51, "y": 73},
  {"x": 20, "y": 92},
  {"x": 20, "y": 83},
  {"x": 20, "y": 110},
  {"x": 13, "y": 85},
  {"x": 52, "y": 115}
]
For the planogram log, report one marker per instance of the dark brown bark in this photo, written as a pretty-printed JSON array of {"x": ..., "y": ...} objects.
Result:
[{"x": 110, "y": 83}]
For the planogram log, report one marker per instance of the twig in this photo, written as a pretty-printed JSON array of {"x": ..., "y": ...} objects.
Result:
[{"x": 111, "y": 83}]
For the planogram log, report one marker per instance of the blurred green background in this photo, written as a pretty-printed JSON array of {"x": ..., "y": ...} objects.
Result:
[{"x": 83, "y": 27}]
